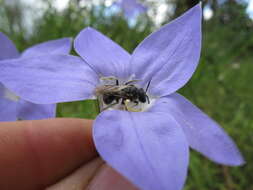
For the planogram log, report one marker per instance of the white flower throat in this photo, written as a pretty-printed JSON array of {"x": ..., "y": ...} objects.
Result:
[
  {"x": 10, "y": 95},
  {"x": 115, "y": 94}
]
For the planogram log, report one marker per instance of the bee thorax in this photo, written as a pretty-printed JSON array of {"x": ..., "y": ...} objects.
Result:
[{"x": 124, "y": 96}]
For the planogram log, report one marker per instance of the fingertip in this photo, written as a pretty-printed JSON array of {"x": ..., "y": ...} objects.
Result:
[
  {"x": 108, "y": 178},
  {"x": 79, "y": 179},
  {"x": 41, "y": 152}
]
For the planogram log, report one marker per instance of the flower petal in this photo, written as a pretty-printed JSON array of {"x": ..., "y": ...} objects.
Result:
[
  {"x": 8, "y": 108},
  {"x": 59, "y": 46},
  {"x": 7, "y": 49},
  {"x": 203, "y": 134},
  {"x": 169, "y": 56},
  {"x": 30, "y": 111},
  {"x": 49, "y": 79},
  {"x": 105, "y": 56},
  {"x": 148, "y": 148}
]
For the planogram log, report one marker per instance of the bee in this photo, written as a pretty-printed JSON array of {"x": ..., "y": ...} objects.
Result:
[{"x": 125, "y": 95}]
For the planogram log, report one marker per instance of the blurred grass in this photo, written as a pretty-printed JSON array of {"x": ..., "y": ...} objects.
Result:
[{"x": 221, "y": 86}]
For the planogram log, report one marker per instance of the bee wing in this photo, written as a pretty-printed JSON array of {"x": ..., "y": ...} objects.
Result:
[
  {"x": 121, "y": 87},
  {"x": 106, "y": 89}
]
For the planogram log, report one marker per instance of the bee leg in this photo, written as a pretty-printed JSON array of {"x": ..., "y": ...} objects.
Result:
[
  {"x": 136, "y": 103},
  {"x": 148, "y": 99},
  {"x": 100, "y": 103},
  {"x": 129, "y": 108},
  {"x": 107, "y": 107},
  {"x": 117, "y": 99}
]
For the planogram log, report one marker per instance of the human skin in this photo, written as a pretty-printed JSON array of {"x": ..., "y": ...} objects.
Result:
[{"x": 54, "y": 154}]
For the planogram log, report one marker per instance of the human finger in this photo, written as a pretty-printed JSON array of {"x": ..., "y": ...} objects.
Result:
[{"x": 35, "y": 154}]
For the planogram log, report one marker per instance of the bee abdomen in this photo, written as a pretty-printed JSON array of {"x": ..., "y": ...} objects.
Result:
[{"x": 108, "y": 98}]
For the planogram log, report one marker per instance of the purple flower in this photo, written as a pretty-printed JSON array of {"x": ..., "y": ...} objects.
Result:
[
  {"x": 150, "y": 147},
  {"x": 11, "y": 106},
  {"x": 131, "y": 8}
]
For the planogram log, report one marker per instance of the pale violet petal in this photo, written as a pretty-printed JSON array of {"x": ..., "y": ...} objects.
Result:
[
  {"x": 148, "y": 148},
  {"x": 105, "y": 56},
  {"x": 169, "y": 56},
  {"x": 30, "y": 111},
  {"x": 7, "y": 49},
  {"x": 203, "y": 133},
  {"x": 59, "y": 46},
  {"x": 7, "y": 94},
  {"x": 49, "y": 79},
  {"x": 8, "y": 108}
]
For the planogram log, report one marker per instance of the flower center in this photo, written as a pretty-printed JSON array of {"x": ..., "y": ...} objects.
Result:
[{"x": 116, "y": 94}]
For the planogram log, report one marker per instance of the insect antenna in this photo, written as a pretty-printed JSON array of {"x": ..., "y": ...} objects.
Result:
[
  {"x": 147, "y": 86},
  {"x": 131, "y": 81}
]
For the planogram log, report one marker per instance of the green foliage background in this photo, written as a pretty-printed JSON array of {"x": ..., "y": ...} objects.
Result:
[{"x": 221, "y": 86}]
